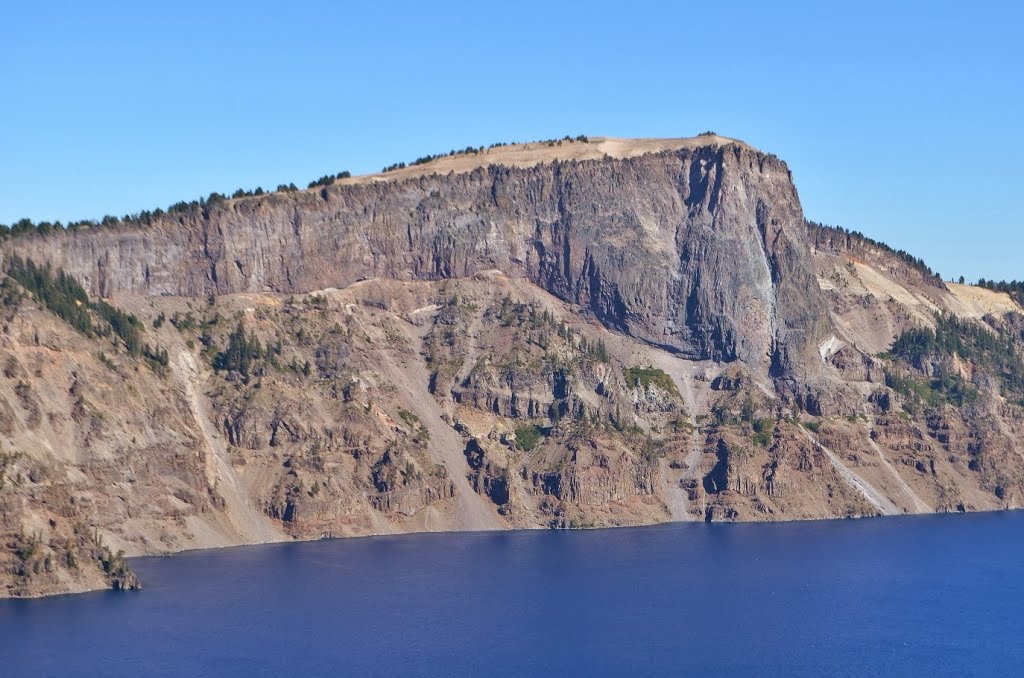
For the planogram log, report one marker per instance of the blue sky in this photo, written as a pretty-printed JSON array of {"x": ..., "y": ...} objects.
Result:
[{"x": 902, "y": 120}]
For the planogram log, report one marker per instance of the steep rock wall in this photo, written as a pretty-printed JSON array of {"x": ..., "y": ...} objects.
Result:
[{"x": 699, "y": 250}]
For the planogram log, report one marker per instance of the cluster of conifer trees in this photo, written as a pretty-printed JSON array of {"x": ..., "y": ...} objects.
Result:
[
  {"x": 818, "y": 231},
  {"x": 248, "y": 357},
  {"x": 67, "y": 299},
  {"x": 148, "y": 217},
  {"x": 998, "y": 353},
  {"x": 63, "y": 296}
]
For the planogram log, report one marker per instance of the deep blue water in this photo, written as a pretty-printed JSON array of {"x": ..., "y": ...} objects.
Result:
[{"x": 926, "y": 596}]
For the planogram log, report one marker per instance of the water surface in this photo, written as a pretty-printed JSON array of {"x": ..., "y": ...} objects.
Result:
[{"x": 929, "y": 596}]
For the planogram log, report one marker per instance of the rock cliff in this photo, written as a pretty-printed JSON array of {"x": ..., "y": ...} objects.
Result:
[
  {"x": 599, "y": 333},
  {"x": 699, "y": 249}
]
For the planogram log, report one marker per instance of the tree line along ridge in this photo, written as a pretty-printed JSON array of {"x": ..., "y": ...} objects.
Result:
[{"x": 26, "y": 226}]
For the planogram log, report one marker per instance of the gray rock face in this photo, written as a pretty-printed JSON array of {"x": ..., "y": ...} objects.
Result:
[{"x": 702, "y": 251}]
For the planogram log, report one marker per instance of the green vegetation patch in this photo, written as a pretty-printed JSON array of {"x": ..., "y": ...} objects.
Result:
[
  {"x": 63, "y": 296},
  {"x": 528, "y": 437},
  {"x": 763, "y": 432},
  {"x": 929, "y": 393},
  {"x": 812, "y": 426},
  {"x": 998, "y": 353},
  {"x": 244, "y": 353},
  {"x": 647, "y": 376}
]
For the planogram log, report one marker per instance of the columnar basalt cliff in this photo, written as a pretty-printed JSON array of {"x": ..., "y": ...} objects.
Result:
[
  {"x": 596, "y": 333},
  {"x": 700, "y": 250}
]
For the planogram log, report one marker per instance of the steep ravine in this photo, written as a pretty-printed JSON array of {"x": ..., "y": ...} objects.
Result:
[{"x": 249, "y": 524}]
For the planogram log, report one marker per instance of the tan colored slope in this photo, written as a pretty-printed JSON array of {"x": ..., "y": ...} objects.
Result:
[
  {"x": 538, "y": 152},
  {"x": 247, "y": 524},
  {"x": 872, "y": 303},
  {"x": 976, "y": 302}
]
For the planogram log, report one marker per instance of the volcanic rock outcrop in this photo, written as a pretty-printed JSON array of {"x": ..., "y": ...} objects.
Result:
[
  {"x": 698, "y": 249},
  {"x": 574, "y": 333}
]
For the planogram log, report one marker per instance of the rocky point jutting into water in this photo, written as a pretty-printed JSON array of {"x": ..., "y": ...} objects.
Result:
[{"x": 593, "y": 332}]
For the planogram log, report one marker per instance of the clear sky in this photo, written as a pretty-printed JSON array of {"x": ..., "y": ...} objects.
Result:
[{"x": 901, "y": 120}]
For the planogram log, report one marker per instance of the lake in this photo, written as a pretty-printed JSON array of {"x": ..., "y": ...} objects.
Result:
[{"x": 929, "y": 596}]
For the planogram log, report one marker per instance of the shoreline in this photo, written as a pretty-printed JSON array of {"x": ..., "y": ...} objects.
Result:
[{"x": 425, "y": 533}]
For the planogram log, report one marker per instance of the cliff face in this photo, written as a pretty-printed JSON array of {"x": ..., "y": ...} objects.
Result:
[
  {"x": 578, "y": 341},
  {"x": 700, "y": 250}
]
